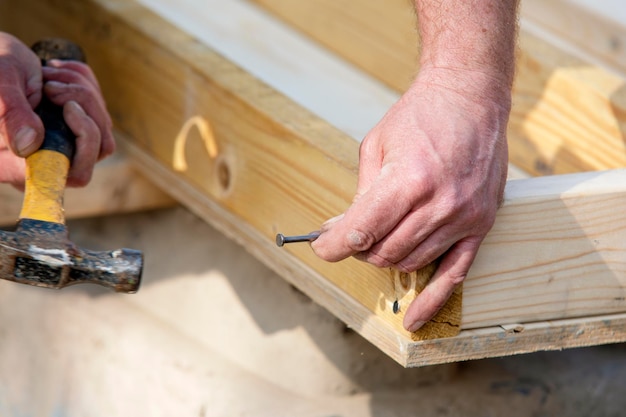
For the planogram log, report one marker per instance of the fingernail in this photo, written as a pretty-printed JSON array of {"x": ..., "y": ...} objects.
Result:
[
  {"x": 25, "y": 141},
  {"x": 76, "y": 106},
  {"x": 333, "y": 220},
  {"x": 416, "y": 326},
  {"x": 328, "y": 223},
  {"x": 54, "y": 85}
]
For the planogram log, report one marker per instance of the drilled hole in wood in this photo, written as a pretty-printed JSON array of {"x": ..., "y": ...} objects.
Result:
[
  {"x": 396, "y": 307},
  {"x": 223, "y": 175}
]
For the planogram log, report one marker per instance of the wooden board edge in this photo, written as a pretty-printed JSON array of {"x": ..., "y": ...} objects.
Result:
[
  {"x": 468, "y": 345},
  {"x": 231, "y": 223},
  {"x": 285, "y": 264},
  {"x": 519, "y": 339}
]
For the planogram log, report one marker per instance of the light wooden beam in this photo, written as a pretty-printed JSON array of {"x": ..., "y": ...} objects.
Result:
[
  {"x": 522, "y": 295},
  {"x": 380, "y": 37},
  {"x": 116, "y": 187},
  {"x": 253, "y": 162},
  {"x": 595, "y": 30},
  {"x": 516, "y": 339},
  {"x": 568, "y": 115}
]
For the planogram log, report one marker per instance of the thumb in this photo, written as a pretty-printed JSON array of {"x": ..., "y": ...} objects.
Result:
[
  {"x": 451, "y": 272},
  {"x": 20, "y": 91}
]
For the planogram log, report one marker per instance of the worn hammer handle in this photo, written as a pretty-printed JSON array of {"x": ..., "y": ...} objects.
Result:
[{"x": 48, "y": 167}]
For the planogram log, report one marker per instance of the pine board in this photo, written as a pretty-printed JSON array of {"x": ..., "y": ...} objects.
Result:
[
  {"x": 246, "y": 165},
  {"x": 568, "y": 114}
]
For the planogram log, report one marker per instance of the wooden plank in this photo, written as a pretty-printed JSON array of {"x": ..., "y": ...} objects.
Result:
[
  {"x": 555, "y": 251},
  {"x": 568, "y": 116},
  {"x": 260, "y": 45},
  {"x": 116, "y": 187},
  {"x": 182, "y": 20},
  {"x": 500, "y": 341},
  {"x": 347, "y": 87},
  {"x": 583, "y": 274},
  {"x": 361, "y": 32},
  {"x": 264, "y": 148},
  {"x": 256, "y": 51},
  {"x": 156, "y": 78}
]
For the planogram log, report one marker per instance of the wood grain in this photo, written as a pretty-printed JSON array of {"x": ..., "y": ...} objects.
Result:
[
  {"x": 556, "y": 236},
  {"x": 594, "y": 30},
  {"x": 498, "y": 341},
  {"x": 568, "y": 114},
  {"x": 379, "y": 37},
  {"x": 555, "y": 251}
]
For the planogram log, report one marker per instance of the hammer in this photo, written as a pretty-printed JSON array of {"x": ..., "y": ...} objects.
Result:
[{"x": 39, "y": 251}]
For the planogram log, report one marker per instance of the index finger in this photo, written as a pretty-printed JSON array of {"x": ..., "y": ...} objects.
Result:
[{"x": 451, "y": 272}]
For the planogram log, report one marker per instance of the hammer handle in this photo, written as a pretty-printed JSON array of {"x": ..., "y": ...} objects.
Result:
[{"x": 48, "y": 167}]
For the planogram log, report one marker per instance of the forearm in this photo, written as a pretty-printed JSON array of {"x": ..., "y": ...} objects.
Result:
[
  {"x": 433, "y": 170},
  {"x": 474, "y": 38}
]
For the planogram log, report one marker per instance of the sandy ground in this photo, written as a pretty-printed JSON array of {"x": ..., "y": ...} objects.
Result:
[{"x": 212, "y": 332}]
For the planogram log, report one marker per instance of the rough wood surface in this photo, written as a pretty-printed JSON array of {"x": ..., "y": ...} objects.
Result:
[
  {"x": 407, "y": 286},
  {"x": 502, "y": 341},
  {"x": 116, "y": 187},
  {"x": 529, "y": 293},
  {"x": 267, "y": 148}
]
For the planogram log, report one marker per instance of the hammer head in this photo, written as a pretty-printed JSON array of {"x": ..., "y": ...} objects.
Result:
[{"x": 40, "y": 253}]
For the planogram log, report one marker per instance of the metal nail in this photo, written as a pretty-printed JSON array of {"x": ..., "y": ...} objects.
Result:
[{"x": 282, "y": 239}]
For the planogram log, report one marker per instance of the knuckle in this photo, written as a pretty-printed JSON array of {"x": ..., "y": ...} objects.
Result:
[
  {"x": 417, "y": 179},
  {"x": 368, "y": 145},
  {"x": 481, "y": 212},
  {"x": 456, "y": 279},
  {"x": 60, "y": 93},
  {"x": 381, "y": 263},
  {"x": 412, "y": 264},
  {"x": 475, "y": 210},
  {"x": 107, "y": 148},
  {"x": 374, "y": 259},
  {"x": 79, "y": 91},
  {"x": 80, "y": 179},
  {"x": 406, "y": 268}
]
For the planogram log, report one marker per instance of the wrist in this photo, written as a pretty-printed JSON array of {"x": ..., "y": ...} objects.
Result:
[
  {"x": 477, "y": 86},
  {"x": 469, "y": 41}
]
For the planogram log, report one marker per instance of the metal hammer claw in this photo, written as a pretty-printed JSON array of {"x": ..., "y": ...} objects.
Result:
[{"x": 39, "y": 252}]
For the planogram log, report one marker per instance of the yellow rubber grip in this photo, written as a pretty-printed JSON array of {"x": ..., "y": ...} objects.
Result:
[{"x": 46, "y": 175}]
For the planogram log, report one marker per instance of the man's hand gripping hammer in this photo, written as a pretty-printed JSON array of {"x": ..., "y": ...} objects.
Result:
[{"x": 39, "y": 252}]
